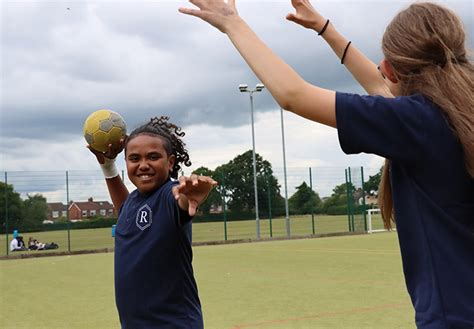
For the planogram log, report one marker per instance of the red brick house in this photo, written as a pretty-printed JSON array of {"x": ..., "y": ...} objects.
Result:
[
  {"x": 56, "y": 210},
  {"x": 90, "y": 209}
]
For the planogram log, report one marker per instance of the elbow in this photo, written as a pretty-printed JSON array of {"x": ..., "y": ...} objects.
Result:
[
  {"x": 287, "y": 99},
  {"x": 284, "y": 104}
]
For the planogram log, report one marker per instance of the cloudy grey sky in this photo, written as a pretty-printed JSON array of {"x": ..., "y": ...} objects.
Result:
[{"x": 143, "y": 58}]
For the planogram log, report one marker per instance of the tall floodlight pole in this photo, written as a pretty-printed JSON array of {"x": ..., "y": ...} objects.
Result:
[
  {"x": 245, "y": 89},
  {"x": 287, "y": 218}
]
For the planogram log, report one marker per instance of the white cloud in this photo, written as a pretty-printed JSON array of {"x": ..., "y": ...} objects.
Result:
[{"x": 144, "y": 59}]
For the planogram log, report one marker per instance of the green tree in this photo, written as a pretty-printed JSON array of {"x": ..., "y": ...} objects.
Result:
[
  {"x": 270, "y": 202},
  {"x": 237, "y": 181},
  {"x": 374, "y": 181},
  {"x": 337, "y": 203},
  {"x": 305, "y": 200},
  {"x": 214, "y": 197},
  {"x": 14, "y": 208},
  {"x": 35, "y": 211}
]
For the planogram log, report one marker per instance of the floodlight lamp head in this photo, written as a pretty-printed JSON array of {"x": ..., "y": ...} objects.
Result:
[
  {"x": 243, "y": 88},
  {"x": 259, "y": 87}
]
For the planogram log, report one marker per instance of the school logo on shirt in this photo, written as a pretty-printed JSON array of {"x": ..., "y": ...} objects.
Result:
[{"x": 144, "y": 217}]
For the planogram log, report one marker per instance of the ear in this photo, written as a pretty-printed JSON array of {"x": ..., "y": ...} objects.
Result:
[
  {"x": 388, "y": 71},
  {"x": 171, "y": 160}
]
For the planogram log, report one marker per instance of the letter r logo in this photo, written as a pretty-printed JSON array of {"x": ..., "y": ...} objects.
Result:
[{"x": 144, "y": 217}]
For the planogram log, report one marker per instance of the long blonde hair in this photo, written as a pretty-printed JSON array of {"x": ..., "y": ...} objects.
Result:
[{"x": 425, "y": 44}]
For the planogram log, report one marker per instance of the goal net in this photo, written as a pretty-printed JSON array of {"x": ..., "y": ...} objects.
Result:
[{"x": 374, "y": 221}]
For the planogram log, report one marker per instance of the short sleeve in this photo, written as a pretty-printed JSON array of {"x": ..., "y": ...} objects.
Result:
[
  {"x": 183, "y": 216},
  {"x": 394, "y": 128}
]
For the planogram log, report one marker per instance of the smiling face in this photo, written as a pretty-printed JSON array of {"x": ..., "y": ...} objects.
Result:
[{"x": 148, "y": 163}]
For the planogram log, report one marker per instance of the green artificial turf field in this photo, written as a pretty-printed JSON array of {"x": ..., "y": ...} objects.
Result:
[
  {"x": 202, "y": 232},
  {"x": 337, "y": 282}
]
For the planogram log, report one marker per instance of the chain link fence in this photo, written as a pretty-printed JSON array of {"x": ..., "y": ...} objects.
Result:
[{"x": 73, "y": 208}]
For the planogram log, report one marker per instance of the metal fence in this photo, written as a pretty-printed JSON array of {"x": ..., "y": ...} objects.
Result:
[{"x": 277, "y": 216}]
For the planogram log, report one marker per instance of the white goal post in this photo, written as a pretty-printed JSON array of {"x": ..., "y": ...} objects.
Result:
[{"x": 374, "y": 221}]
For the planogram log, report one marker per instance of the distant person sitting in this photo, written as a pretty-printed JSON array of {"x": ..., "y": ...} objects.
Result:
[
  {"x": 17, "y": 244},
  {"x": 39, "y": 245},
  {"x": 21, "y": 243},
  {"x": 32, "y": 243}
]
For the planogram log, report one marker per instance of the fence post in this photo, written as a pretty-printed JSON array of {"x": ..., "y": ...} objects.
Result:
[
  {"x": 350, "y": 199},
  {"x": 224, "y": 206},
  {"x": 67, "y": 213},
  {"x": 312, "y": 205},
  {"x": 287, "y": 215},
  {"x": 269, "y": 206},
  {"x": 6, "y": 211},
  {"x": 348, "y": 206},
  {"x": 363, "y": 197}
]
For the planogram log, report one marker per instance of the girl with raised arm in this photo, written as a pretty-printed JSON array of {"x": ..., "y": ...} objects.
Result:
[
  {"x": 422, "y": 121},
  {"x": 154, "y": 277}
]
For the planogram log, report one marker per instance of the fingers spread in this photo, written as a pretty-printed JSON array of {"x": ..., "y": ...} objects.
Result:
[
  {"x": 182, "y": 182},
  {"x": 291, "y": 17},
  {"x": 192, "y": 207},
  {"x": 207, "y": 180},
  {"x": 212, "y": 181},
  {"x": 194, "y": 179},
  {"x": 197, "y": 3},
  {"x": 189, "y": 11},
  {"x": 194, "y": 12},
  {"x": 175, "y": 191}
]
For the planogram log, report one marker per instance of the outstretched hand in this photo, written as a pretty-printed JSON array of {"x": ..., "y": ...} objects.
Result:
[
  {"x": 193, "y": 190},
  {"x": 111, "y": 153},
  {"x": 218, "y": 13},
  {"x": 306, "y": 15}
]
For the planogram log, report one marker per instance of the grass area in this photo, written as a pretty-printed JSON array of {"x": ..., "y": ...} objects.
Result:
[
  {"x": 299, "y": 225},
  {"x": 338, "y": 282},
  {"x": 202, "y": 232}
]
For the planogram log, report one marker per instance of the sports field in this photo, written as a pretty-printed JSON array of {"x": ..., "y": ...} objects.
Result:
[
  {"x": 337, "y": 282},
  {"x": 202, "y": 232}
]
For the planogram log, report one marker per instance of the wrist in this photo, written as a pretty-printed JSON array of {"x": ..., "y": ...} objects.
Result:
[
  {"x": 235, "y": 25},
  {"x": 109, "y": 169},
  {"x": 319, "y": 24},
  {"x": 333, "y": 37}
]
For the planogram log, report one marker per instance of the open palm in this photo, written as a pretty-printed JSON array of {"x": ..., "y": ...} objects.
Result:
[
  {"x": 305, "y": 14},
  {"x": 195, "y": 189}
]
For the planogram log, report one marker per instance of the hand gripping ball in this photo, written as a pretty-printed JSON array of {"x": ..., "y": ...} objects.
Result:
[{"x": 104, "y": 127}]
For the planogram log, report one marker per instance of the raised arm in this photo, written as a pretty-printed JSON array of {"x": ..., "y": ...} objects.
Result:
[
  {"x": 287, "y": 87},
  {"x": 117, "y": 190},
  {"x": 192, "y": 191},
  {"x": 362, "y": 68}
]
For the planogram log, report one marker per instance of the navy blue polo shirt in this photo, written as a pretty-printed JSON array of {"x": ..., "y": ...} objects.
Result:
[
  {"x": 433, "y": 199},
  {"x": 154, "y": 280}
]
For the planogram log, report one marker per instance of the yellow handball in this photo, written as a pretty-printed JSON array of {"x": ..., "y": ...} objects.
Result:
[{"x": 104, "y": 127}]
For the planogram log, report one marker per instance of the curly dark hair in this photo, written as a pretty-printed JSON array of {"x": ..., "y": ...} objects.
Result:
[{"x": 171, "y": 136}]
